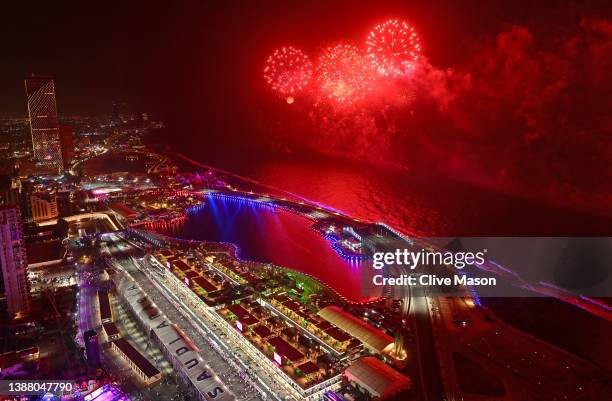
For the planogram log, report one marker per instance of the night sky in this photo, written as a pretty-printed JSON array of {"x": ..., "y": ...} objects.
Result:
[
  {"x": 516, "y": 94},
  {"x": 158, "y": 56}
]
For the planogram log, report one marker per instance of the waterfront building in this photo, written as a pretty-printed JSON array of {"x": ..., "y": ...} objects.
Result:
[{"x": 377, "y": 378}]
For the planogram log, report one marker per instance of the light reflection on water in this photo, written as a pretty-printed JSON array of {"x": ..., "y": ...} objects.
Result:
[{"x": 274, "y": 236}]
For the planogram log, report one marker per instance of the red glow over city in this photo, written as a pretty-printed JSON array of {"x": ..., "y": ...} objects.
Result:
[{"x": 306, "y": 201}]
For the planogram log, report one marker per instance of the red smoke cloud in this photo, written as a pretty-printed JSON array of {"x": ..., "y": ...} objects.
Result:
[
  {"x": 543, "y": 115},
  {"x": 527, "y": 115}
]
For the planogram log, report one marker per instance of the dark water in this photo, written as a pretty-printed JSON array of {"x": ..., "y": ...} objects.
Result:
[
  {"x": 419, "y": 203},
  {"x": 415, "y": 200},
  {"x": 268, "y": 235}
]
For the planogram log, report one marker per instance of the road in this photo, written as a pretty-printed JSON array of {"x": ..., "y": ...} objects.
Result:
[
  {"x": 235, "y": 379},
  {"x": 528, "y": 368},
  {"x": 91, "y": 278},
  {"x": 432, "y": 388}
]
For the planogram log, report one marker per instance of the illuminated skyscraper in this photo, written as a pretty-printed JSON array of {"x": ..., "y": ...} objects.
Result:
[
  {"x": 42, "y": 109},
  {"x": 13, "y": 260}
]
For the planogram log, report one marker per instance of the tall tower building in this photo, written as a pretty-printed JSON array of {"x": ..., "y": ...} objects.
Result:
[
  {"x": 42, "y": 110},
  {"x": 13, "y": 260}
]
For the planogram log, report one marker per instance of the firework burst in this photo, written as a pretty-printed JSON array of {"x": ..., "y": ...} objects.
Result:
[
  {"x": 343, "y": 75},
  {"x": 288, "y": 70},
  {"x": 393, "y": 48}
]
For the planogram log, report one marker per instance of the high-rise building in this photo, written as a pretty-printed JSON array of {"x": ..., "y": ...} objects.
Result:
[
  {"x": 44, "y": 206},
  {"x": 42, "y": 110},
  {"x": 13, "y": 260},
  {"x": 67, "y": 145}
]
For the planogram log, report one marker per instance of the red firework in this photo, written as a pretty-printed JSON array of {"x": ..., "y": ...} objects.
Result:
[
  {"x": 393, "y": 48},
  {"x": 343, "y": 74},
  {"x": 288, "y": 70}
]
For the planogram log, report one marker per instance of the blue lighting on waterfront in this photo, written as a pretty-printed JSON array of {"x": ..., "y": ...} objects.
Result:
[
  {"x": 212, "y": 198},
  {"x": 471, "y": 289},
  {"x": 252, "y": 224}
]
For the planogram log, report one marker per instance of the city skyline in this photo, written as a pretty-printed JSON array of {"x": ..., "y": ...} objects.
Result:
[{"x": 306, "y": 201}]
